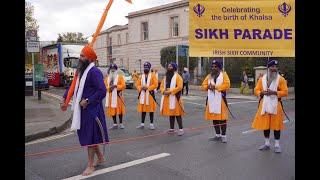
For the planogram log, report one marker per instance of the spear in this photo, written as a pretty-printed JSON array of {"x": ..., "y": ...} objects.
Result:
[{"x": 102, "y": 20}]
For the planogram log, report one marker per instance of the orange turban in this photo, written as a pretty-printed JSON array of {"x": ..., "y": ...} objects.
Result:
[{"x": 89, "y": 53}]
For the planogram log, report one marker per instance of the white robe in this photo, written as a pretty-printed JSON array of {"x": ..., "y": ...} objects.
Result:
[
  {"x": 172, "y": 98},
  {"x": 270, "y": 103},
  {"x": 77, "y": 95},
  {"x": 215, "y": 97}
]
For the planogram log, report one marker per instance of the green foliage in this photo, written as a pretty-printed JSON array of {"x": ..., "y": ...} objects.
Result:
[
  {"x": 72, "y": 37},
  {"x": 235, "y": 67},
  {"x": 30, "y": 21},
  {"x": 168, "y": 54}
]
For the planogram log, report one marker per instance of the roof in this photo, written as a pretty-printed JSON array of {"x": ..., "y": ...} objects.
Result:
[
  {"x": 63, "y": 44},
  {"x": 161, "y": 8},
  {"x": 183, "y": 3},
  {"x": 114, "y": 28}
]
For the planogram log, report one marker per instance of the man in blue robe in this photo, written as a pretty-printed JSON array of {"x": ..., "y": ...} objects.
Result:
[{"x": 88, "y": 112}]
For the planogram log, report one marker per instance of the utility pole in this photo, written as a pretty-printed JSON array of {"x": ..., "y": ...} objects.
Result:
[{"x": 140, "y": 65}]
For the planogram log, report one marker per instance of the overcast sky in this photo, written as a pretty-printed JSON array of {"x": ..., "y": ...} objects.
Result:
[{"x": 58, "y": 16}]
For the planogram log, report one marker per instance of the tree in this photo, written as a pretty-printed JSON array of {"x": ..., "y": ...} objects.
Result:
[
  {"x": 30, "y": 21},
  {"x": 168, "y": 54},
  {"x": 73, "y": 37},
  {"x": 30, "y": 24},
  {"x": 60, "y": 38},
  {"x": 236, "y": 65}
]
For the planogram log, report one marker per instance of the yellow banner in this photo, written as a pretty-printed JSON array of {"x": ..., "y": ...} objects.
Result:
[{"x": 242, "y": 28}]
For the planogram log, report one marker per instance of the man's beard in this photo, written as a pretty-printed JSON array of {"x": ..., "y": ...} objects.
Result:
[
  {"x": 146, "y": 71},
  {"x": 214, "y": 73},
  {"x": 272, "y": 75},
  {"x": 169, "y": 75},
  {"x": 112, "y": 75},
  {"x": 82, "y": 67}
]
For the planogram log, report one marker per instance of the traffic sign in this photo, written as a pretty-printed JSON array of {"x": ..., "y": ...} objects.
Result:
[
  {"x": 183, "y": 50},
  {"x": 33, "y": 46}
]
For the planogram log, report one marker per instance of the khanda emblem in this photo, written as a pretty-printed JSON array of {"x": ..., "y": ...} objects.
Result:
[
  {"x": 199, "y": 9},
  {"x": 284, "y": 8}
]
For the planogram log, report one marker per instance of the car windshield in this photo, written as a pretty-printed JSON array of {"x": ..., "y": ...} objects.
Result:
[
  {"x": 71, "y": 62},
  {"x": 126, "y": 72}
]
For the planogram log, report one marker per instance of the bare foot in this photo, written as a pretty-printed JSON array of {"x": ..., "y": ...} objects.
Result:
[
  {"x": 89, "y": 170},
  {"x": 99, "y": 161}
]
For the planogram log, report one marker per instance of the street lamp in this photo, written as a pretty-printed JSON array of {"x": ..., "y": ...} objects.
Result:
[
  {"x": 140, "y": 65},
  {"x": 139, "y": 52}
]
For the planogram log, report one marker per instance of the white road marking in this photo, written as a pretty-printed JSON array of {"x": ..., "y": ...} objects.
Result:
[
  {"x": 241, "y": 102},
  {"x": 194, "y": 103},
  {"x": 193, "y": 97},
  {"x": 120, "y": 166},
  {"x": 127, "y": 94},
  {"x": 254, "y": 130},
  {"x": 49, "y": 138}
]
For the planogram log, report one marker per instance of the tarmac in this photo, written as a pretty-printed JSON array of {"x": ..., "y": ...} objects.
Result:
[{"x": 44, "y": 118}]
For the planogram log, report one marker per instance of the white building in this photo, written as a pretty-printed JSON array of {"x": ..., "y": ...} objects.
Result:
[
  {"x": 147, "y": 32},
  {"x": 111, "y": 46}
]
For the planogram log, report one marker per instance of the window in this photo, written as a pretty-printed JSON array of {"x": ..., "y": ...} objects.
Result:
[
  {"x": 127, "y": 38},
  {"x": 74, "y": 62},
  {"x": 110, "y": 41},
  {"x": 119, "y": 39},
  {"x": 145, "y": 32},
  {"x": 174, "y": 26}
]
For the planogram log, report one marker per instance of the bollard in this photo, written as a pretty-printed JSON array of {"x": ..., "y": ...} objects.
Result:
[{"x": 39, "y": 94}]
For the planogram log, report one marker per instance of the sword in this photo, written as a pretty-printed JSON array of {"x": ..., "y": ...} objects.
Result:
[
  {"x": 181, "y": 107},
  {"x": 154, "y": 98},
  {"x": 177, "y": 95},
  {"x": 284, "y": 111},
  {"x": 120, "y": 98},
  {"x": 102, "y": 134},
  {"x": 152, "y": 95},
  {"x": 178, "y": 98},
  {"x": 225, "y": 101},
  {"x": 279, "y": 99},
  {"x": 101, "y": 130}
]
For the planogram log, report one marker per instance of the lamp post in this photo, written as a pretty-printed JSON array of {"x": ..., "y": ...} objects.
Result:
[{"x": 140, "y": 65}]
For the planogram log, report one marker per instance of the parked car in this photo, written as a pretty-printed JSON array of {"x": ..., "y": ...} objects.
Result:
[{"x": 128, "y": 78}]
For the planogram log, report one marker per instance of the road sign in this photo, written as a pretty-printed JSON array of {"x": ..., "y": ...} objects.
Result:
[
  {"x": 28, "y": 83},
  {"x": 33, "y": 46},
  {"x": 183, "y": 50}
]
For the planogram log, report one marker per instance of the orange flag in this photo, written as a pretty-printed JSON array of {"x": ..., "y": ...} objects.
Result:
[
  {"x": 95, "y": 35},
  {"x": 102, "y": 20}
]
